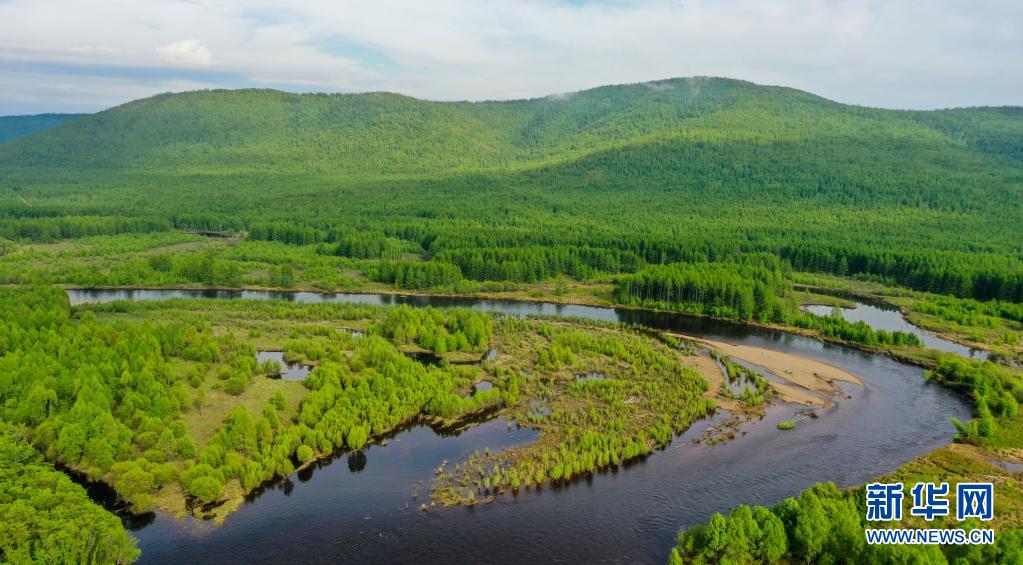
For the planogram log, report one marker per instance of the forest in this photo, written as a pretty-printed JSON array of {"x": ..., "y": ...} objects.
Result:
[{"x": 45, "y": 517}]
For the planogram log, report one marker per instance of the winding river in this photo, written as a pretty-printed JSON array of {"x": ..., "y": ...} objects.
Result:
[{"x": 365, "y": 511}]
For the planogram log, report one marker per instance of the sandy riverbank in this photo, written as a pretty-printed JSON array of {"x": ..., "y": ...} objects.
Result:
[{"x": 811, "y": 381}]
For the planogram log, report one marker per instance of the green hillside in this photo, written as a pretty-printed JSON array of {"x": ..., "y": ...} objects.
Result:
[
  {"x": 682, "y": 169},
  {"x": 17, "y": 126}
]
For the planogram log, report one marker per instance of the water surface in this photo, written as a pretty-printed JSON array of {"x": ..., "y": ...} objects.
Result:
[
  {"x": 290, "y": 371},
  {"x": 882, "y": 316}
]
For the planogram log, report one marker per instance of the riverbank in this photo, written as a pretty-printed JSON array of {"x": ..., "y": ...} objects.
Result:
[
  {"x": 987, "y": 450},
  {"x": 962, "y": 321},
  {"x": 914, "y": 355},
  {"x": 811, "y": 382}
]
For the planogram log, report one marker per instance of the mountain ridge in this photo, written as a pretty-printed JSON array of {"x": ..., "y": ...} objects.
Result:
[
  {"x": 667, "y": 162},
  {"x": 427, "y": 136}
]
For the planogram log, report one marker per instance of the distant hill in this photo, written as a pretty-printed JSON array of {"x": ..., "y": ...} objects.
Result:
[
  {"x": 703, "y": 137},
  {"x": 388, "y": 134},
  {"x": 17, "y": 126},
  {"x": 718, "y": 164}
]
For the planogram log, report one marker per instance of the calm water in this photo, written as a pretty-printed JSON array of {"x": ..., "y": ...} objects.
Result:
[
  {"x": 356, "y": 512},
  {"x": 886, "y": 317},
  {"x": 289, "y": 371}
]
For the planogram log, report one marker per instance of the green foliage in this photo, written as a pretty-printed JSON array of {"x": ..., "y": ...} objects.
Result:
[
  {"x": 746, "y": 535},
  {"x": 745, "y": 287},
  {"x": 438, "y": 330},
  {"x": 356, "y": 439},
  {"x": 103, "y": 398},
  {"x": 205, "y": 488},
  {"x": 821, "y": 525},
  {"x": 46, "y": 518},
  {"x": 448, "y": 405},
  {"x": 532, "y": 264},
  {"x": 742, "y": 290},
  {"x": 755, "y": 388},
  {"x": 692, "y": 170},
  {"x": 646, "y": 396},
  {"x": 969, "y": 312},
  {"x": 996, "y": 392},
  {"x": 417, "y": 275},
  {"x": 304, "y": 453},
  {"x": 834, "y": 325}
]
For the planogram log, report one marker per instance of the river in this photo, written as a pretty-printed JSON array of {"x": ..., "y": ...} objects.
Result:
[
  {"x": 882, "y": 316},
  {"x": 365, "y": 513}
]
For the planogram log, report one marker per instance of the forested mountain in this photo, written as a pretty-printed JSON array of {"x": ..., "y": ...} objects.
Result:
[
  {"x": 690, "y": 169},
  {"x": 17, "y": 126}
]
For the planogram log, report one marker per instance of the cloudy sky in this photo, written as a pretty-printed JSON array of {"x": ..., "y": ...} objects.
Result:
[{"x": 86, "y": 55}]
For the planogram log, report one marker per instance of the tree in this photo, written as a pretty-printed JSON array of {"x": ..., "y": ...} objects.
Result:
[
  {"x": 357, "y": 437},
  {"x": 205, "y": 488},
  {"x": 134, "y": 482},
  {"x": 773, "y": 543},
  {"x": 47, "y": 518},
  {"x": 199, "y": 400},
  {"x": 71, "y": 442},
  {"x": 279, "y": 402}
]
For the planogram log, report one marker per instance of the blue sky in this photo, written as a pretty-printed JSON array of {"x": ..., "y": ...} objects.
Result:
[{"x": 86, "y": 55}]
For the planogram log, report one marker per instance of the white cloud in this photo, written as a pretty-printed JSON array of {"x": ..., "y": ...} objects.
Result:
[
  {"x": 189, "y": 52},
  {"x": 894, "y": 54}
]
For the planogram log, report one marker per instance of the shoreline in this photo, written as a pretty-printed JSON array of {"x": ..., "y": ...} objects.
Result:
[
  {"x": 896, "y": 355},
  {"x": 903, "y": 311},
  {"x": 806, "y": 381}
]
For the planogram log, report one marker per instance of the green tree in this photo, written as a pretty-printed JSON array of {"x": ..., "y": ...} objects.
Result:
[{"x": 205, "y": 488}]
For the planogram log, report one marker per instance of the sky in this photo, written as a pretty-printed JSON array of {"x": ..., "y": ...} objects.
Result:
[{"x": 87, "y": 55}]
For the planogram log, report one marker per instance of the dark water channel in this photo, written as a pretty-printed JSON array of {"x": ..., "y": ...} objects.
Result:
[{"x": 364, "y": 511}]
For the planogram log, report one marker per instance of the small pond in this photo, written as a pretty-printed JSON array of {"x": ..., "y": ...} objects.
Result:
[
  {"x": 290, "y": 371},
  {"x": 424, "y": 357},
  {"x": 482, "y": 386}
]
